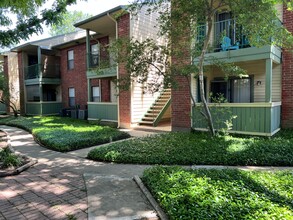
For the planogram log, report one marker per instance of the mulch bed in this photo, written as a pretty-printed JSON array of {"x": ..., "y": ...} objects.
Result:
[{"x": 25, "y": 161}]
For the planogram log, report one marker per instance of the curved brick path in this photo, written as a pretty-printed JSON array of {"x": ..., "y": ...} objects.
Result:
[
  {"x": 54, "y": 188},
  {"x": 40, "y": 193}
]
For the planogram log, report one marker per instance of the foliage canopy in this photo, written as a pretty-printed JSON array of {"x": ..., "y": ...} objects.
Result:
[{"x": 28, "y": 18}]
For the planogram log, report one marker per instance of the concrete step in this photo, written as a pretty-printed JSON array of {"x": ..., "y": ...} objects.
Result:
[
  {"x": 146, "y": 118},
  {"x": 146, "y": 122}
]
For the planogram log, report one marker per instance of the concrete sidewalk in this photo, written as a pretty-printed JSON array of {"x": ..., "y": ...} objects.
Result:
[{"x": 111, "y": 192}]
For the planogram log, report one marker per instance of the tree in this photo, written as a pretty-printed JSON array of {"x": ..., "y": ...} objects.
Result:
[
  {"x": 29, "y": 19},
  {"x": 178, "y": 22},
  {"x": 8, "y": 95},
  {"x": 66, "y": 23}
]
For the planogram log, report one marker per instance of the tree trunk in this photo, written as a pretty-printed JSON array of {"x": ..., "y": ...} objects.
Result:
[{"x": 207, "y": 114}]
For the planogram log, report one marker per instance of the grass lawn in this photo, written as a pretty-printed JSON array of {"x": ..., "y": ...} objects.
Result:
[
  {"x": 221, "y": 194},
  {"x": 65, "y": 134},
  {"x": 200, "y": 149}
]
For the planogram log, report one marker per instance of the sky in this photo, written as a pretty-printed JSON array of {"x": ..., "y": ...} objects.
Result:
[{"x": 92, "y": 7}]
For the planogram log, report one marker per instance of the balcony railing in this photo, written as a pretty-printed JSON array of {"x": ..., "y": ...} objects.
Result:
[
  {"x": 227, "y": 29},
  {"x": 98, "y": 61},
  {"x": 47, "y": 71},
  {"x": 251, "y": 118},
  {"x": 32, "y": 72},
  {"x": 103, "y": 110}
]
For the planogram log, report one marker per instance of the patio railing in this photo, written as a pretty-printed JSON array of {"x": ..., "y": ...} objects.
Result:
[
  {"x": 227, "y": 28},
  {"x": 47, "y": 71}
]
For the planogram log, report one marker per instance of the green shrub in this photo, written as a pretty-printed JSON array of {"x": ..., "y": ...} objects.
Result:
[
  {"x": 66, "y": 134},
  {"x": 9, "y": 159},
  {"x": 221, "y": 194},
  {"x": 201, "y": 149}
]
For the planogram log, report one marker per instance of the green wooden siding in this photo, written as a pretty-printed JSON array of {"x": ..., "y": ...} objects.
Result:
[
  {"x": 2, "y": 107},
  {"x": 43, "y": 108},
  {"x": 249, "y": 119},
  {"x": 245, "y": 54},
  {"x": 103, "y": 111}
]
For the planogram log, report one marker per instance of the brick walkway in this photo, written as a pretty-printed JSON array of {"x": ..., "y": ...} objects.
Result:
[{"x": 41, "y": 193}]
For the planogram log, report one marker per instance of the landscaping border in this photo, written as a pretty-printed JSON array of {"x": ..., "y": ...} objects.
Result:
[
  {"x": 20, "y": 169},
  {"x": 151, "y": 199}
]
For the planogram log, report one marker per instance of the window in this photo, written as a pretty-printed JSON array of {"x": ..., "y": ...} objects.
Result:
[
  {"x": 95, "y": 53},
  {"x": 70, "y": 59},
  {"x": 218, "y": 89},
  {"x": 71, "y": 96},
  {"x": 96, "y": 97},
  {"x": 233, "y": 90},
  {"x": 241, "y": 90}
]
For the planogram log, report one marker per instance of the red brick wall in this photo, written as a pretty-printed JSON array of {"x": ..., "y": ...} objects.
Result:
[
  {"x": 75, "y": 78},
  {"x": 124, "y": 98},
  {"x": 181, "y": 100},
  {"x": 105, "y": 88},
  {"x": 287, "y": 77},
  {"x": 21, "y": 84},
  {"x": 181, "y": 105}
]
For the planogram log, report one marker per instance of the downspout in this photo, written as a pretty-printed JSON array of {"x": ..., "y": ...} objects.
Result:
[
  {"x": 39, "y": 51},
  {"x": 117, "y": 68}
]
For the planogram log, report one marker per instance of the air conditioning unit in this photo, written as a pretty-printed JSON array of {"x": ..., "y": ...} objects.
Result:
[
  {"x": 74, "y": 113},
  {"x": 82, "y": 114}
]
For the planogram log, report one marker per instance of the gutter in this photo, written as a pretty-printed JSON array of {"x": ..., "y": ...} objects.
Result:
[{"x": 117, "y": 68}]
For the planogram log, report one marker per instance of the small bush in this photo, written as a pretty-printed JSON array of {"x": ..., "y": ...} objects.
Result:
[
  {"x": 221, "y": 194},
  {"x": 9, "y": 159}
]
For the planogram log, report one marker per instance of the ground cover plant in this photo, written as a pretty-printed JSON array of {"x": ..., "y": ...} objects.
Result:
[
  {"x": 9, "y": 159},
  {"x": 200, "y": 149},
  {"x": 65, "y": 134},
  {"x": 221, "y": 194}
]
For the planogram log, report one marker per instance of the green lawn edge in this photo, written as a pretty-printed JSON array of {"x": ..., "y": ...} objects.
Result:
[
  {"x": 65, "y": 134},
  {"x": 187, "y": 148}
]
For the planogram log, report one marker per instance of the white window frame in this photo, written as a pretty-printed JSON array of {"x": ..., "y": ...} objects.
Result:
[
  {"x": 70, "y": 59},
  {"x": 71, "y": 96}
]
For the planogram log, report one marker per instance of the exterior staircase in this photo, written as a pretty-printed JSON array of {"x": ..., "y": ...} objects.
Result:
[{"x": 156, "y": 111}]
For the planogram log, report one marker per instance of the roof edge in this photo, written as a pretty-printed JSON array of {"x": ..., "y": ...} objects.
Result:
[{"x": 120, "y": 7}]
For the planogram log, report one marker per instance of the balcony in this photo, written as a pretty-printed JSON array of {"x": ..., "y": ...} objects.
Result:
[
  {"x": 251, "y": 118},
  {"x": 42, "y": 73},
  {"x": 229, "y": 42},
  {"x": 106, "y": 111},
  {"x": 99, "y": 67},
  {"x": 43, "y": 108}
]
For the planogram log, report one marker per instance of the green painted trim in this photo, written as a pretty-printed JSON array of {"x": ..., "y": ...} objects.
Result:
[
  {"x": 246, "y": 133},
  {"x": 43, "y": 81},
  {"x": 43, "y": 108},
  {"x": 245, "y": 54},
  {"x": 95, "y": 119},
  {"x": 269, "y": 76},
  {"x": 245, "y": 105},
  {"x": 120, "y": 7},
  {"x": 102, "y": 73},
  {"x": 2, "y": 107},
  {"x": 103, "y": 111},
  {"x": 256, "y": 118},
  {"x": 88, "y": 45},
  {"x": 162, "y": 112},
  {"x": 89, "y": 90}
]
